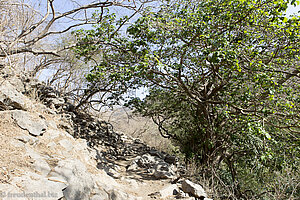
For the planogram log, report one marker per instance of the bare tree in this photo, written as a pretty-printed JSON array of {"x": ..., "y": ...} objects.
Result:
[{"x": 23, "y": 28}]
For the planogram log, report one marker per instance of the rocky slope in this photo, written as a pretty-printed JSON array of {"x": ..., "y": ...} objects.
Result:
[{"x": 48, "y": 150}]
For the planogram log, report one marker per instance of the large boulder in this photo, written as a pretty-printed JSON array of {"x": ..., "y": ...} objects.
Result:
[
  {"x": 36, "y": 126},
  {"x": 39, "y": 186},
  {"x": 163, "y": 170},
  {"x": 10, "y": 98},
  {"x": 193, "y": 189},
  {"x": 79, "y": 180},
  {"x": 169, "y": 191}
]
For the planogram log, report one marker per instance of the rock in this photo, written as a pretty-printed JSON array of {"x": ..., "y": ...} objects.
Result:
[
  {"x": 80, "y": 182},
  {"x": 34, "y": 154},
  {"x": 52, "y": 134},
  {"x": 17, "y": 83},
  {"x": 182, "y": 195},
  {"x": 42, "y": 187},
  {"x": 42, "y": 166},
  {"x": 156, "y": 153},
  {"x": 105, "y": 182},
  {"x": 119, "y": 195},
  {"x": 193, "y": 189},
  {"x": 163, "y": 171},
  {"x": 113, "y": 173},
  {"x": 52, "y": 145},
  {"x": 51, "y": 124},
  {"x": 7, "y": 192},
  {"x": 10, "y": 98},
  {"x": 146, "y": 161},
  {"x": 169, "y": 191},
  {"x": 27, "y": 139},
  {"x": 34, "y": 125},
  {"x": 170, "y": 159},
  {"x": 99, "y": 194},
  {"x": 132, "y": 167},
  {"x": 67, "y": 144}
]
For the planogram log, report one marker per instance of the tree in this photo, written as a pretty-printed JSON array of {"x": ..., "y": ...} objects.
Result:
[{"x": 223, "y": 79}]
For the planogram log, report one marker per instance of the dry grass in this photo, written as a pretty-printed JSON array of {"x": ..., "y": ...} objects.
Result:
[{"x": 13, "y": 159}]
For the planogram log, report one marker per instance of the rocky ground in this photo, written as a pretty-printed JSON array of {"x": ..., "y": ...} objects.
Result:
[{"x": 51, "y": 151}]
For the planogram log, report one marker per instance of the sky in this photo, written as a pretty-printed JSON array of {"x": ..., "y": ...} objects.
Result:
[{"x": 293, "y": 10}]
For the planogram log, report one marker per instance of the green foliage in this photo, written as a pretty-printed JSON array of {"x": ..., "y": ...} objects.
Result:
[{"x": 223, "y": 80}]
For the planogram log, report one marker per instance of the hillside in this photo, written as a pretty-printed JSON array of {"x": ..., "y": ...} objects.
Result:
[{"x": 51, "y": 151}]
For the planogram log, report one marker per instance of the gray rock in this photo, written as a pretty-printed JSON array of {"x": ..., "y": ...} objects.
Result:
[
  {"x": 156, "y": 153},
  {"x": 7, "y": 190},
  {"x": 52, "y": 134},
  {"x": 10, "y": 98},
  {"x": 105, "y": 181},
  {"x": 42, "y": 166},
  {"x": 80, "y": 182},
  {"x": 36, "y": 184},
  {"x": 169, "y": 191},
  {"x": 17, "y": 83},
  {"x": 67, "y": 144},
  {"x": 193, "y": 189},
  {"x": 51, "y": 124},
  {"x": 163, "y": 171},
  {"x": 113, "y": 173},
  {"x": 147, "y": 161},
  {"x": 33, "y": 124},
  {"x": 132, "y": 167},
  {"x": 119, "y": 195},
  {"x": 34, "y": 154},
  {"x": 99, "y": 195},
  {"x": 170, "y": 159}
]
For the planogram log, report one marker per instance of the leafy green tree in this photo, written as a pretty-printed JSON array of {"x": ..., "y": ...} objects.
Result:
[{"x": 223, "y": 80}]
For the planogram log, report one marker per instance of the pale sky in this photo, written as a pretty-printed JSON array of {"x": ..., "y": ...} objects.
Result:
[{"x": 293, "y": 10}]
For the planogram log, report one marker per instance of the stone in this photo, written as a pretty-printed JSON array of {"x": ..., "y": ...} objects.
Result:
[
  {"x": 42, "y": 166},
  {"x": 132, "y": 167},
  {"x": 52, "y": 124},
  {"x": 105, "y": 181},
  {"x": 99, "y": 194},
  {"x": 170, "y": 159},
  {"x": 113, "y": 173},
  {"x": 156, "y": 153},
  {"x": 163, "y": 171},
  {"x": 27, "y": 139},
  {"x": 146, "y": 161},
  {"x": 34, "y": 154},
  {"x": 52, "y": 134},
  {"x": 27, "y": 121},
  {"x": 17, "y": 83},
  {"x": 67, "y": 144},
  {"x": 120, "y": 195},
  {"x": 36, "y": 184},
  {"x": 10, "y": 98},
  {"x": 8, "y": 191},
  {"x": 80, "y": 181},
  {"x": 193, "y": 189},
  {"x": 52, "y": 145},
  {"x": 169, "y": 191}
]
